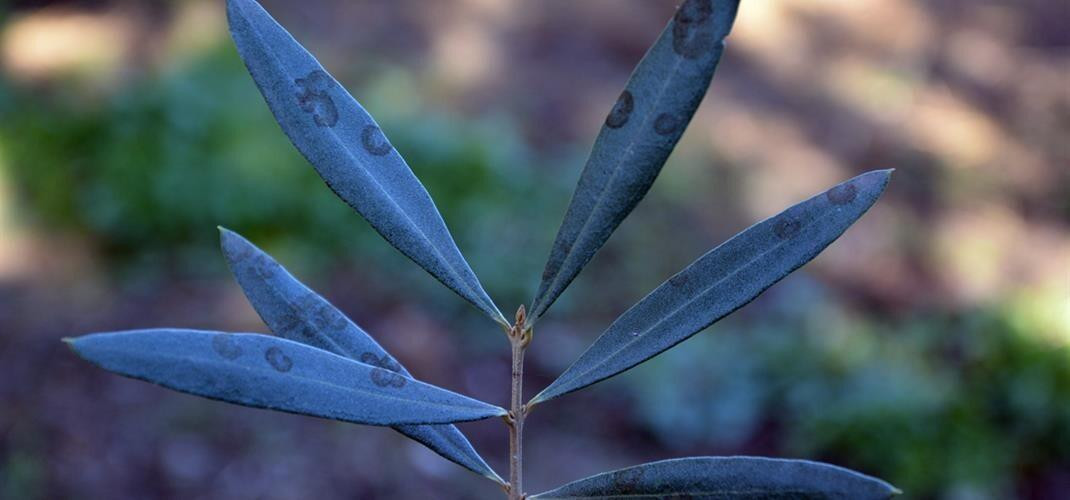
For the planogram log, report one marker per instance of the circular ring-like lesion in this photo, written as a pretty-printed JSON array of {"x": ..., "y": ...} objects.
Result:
[
  {"x": 313, "y": 97},
  {"x": 226, "y": 347},
  {"x": 667, "y": 124},
  {"x": 385, "y": 373},
  {"x": 621, "y": 111},
  {"x": 786, "y": 227},
  {"x": 278, "y": 359},
  {"x": 691, "y": 35},
  {"x": 842, "y": 194},
  {"x": 374, "y": 141}
]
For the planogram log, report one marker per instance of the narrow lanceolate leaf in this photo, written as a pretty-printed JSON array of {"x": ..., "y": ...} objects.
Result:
[
  {"x": 277, "y": 374},
  {"x": 728, "y": 478},
  {"x": 721, "y": 281},
  {"x": 295, "y": 312},
  {"x": 642, "y": 129},
  {"x": 349, "y": 151}
]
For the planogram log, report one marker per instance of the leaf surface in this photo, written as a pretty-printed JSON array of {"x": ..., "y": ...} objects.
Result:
[
  {"x": 262, "y": 371},
  {"x": 348, "y": 149},
  {"x": 295, "y": 312},
  {"x": 721, "y": 281},
  {"x": 737, "y": 478},
  {"x": 637, "y": 137}
]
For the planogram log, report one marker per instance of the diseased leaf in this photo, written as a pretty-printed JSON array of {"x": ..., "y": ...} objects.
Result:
[
  {"x": 262, "y": 371},
  {"x": 728, "y": 478},
  {"x": 723, "y": 280},
  {"x": 349, "y": 151},
  {"x": 641, "y": 130},
  {"x": 295, "y": 312}
]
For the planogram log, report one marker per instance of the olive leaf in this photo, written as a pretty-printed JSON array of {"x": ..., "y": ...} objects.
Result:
[
  {"x": 349, "y": 151},
  {"x": 728, "y": 478},
  {"x": 262, "y": 371},
  {"x": 638, "y": 135},
  {"x": 295, "y": 312},
  {"x": 723, "y": 280}
]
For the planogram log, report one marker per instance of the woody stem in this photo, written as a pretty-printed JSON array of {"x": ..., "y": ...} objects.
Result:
[{"x": 519, "y": 336}]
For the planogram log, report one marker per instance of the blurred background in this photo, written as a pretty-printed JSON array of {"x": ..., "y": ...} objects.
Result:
[{"x": 930, "y": 346}]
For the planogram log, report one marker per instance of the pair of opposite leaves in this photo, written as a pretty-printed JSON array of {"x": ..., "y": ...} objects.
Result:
[{"x": 345, "y": 375}]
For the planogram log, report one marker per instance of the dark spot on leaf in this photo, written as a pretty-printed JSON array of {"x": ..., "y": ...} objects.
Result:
[
  {"x": 391, "y": 365},
  {"x": 547, "y": 273},
  {"x": 369, "y": 358},
  {"x": 318, "y": 81},
  {"x": 386, "y": 378},
  {"x": 319, "y": 317},
  {"x": 374, "y": 141},
  {"x": 627, "y": 481},
  {"x": 243, "y": 253},
  {"x": 332, "y": 319},
  {"x": 288, "y": 321},
  {"x": 622, "y": 110},
  {"x": 306, "y": 323},
  {"x": 842, "y": 194},
  {"x": 689, "y": 39},
  {"x": 267, "y": 267},
  {"x": 385, "y": 372},
  {"x": 278, "y": 360},
  {"x": 296, "y": 320},
  {"x": 385, "y": 362},
  {"x": 314, "y": 98},
  {"x": 225, "y": 346},
  {"x": 786, "y": 227},
  {"x": 694, "y": 11},
  {"x": 680, "y": 280},
  {"x": 666, "y": 124}
]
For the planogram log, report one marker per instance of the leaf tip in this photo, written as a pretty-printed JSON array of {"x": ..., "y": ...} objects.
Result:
[
  {"x": 75, "y": 345},
  {"x": 876, "y": 180},
  {"x": 225, "y": 234},
  {"x": 231, "y": 242}
]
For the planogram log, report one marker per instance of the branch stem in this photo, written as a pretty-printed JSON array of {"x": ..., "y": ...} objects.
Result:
[{"x": 519, "y": 337}]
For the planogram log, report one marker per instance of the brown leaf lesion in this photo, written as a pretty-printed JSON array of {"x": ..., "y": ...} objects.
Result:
[
  {"x": 385, "y": 372},
  {"x": 314, "y": 99}
]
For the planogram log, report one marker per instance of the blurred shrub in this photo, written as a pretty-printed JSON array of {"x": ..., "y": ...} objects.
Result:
[
  {"x": 951, "y": 405},
  {"x": 149, "y": 169}
]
